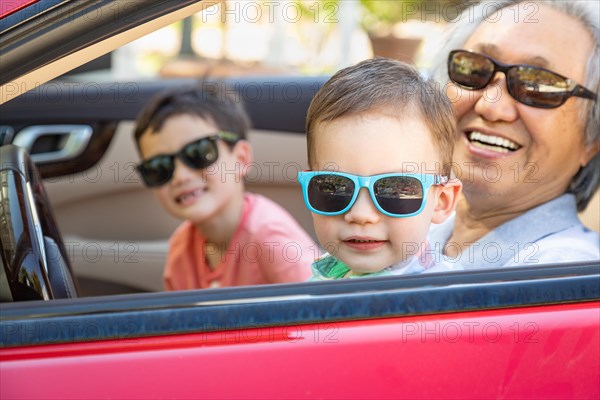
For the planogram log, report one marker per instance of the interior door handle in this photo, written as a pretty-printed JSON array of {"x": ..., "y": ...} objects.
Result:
[
  {"x": 73, "y": 141},
  {"x": 6, "y": 134}
]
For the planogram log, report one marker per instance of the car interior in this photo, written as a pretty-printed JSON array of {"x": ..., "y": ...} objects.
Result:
[
  {"x": 115, "y": 233},
  {"x": 114, "y": 230}
]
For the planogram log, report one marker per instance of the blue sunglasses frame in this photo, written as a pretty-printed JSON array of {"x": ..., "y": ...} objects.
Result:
[{"x": 426, "y": 180}]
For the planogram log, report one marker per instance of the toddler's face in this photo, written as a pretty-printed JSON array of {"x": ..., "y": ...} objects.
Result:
[
  {"x": 363, "y": 238},
  {"x": 194, "y": 194}
]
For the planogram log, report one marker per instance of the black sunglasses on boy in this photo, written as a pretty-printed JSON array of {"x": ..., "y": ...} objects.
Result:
[
  {"x": 530, "y": 85},
  {"x": 199, "y": 154}
]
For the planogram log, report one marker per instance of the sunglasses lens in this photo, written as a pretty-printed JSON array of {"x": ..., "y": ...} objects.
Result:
[
  {"x": 537, "y": 87},
  {"x": 400, "y": 195},
  {"x": 470, "y": 70},
  {"x": 157, "y": 171},
  {"x": 200, "y": 154},
  {"x": 330, "y": 193}
]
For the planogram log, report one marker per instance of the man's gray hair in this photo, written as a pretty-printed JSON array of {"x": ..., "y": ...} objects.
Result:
[{"x": 586, "y": 181}]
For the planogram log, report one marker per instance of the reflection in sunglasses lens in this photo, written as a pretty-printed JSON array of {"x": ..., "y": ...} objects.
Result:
[
  {"x": 537, "y": 87},
  {"x": 471, "y": 70},
  {"x": 157, "y": 170},
  {"x": 527, "y": 84},
  {"x": 330, "y": 193},
  {"x": 399, "y": 194},
  {"x": 200, "y": 154}
]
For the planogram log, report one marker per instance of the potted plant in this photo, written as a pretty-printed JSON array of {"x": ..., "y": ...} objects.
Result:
[{"x": 378, "y": 20}]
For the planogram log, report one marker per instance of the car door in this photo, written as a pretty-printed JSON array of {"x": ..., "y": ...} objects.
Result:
[
  {"x": 515, "y": 333},
  {"x": 518, "y": 332}
]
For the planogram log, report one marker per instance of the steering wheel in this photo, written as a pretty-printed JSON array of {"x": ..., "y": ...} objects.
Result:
[{"x": 33, "y": 253}]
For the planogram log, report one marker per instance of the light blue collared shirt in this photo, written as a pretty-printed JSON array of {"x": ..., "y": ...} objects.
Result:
[{"x": 550, "y": 233}]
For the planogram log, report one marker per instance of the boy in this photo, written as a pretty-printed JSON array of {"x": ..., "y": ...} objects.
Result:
[
  {"x": 195, "y": 154},
  {"x": 380, "y": 142}
]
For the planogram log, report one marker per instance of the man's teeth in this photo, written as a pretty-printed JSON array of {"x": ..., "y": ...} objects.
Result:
[{"x": 492, "y": 142}]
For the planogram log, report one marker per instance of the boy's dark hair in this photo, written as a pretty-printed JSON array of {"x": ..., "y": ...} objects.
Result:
[
  {"x": 206, "y": 100},
  {"x": 388, "y": 87}
]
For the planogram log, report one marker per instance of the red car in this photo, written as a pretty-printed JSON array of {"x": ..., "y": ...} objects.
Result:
[{"x": 529, "y": 332}]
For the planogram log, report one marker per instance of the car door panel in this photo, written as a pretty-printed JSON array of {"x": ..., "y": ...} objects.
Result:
[{"x": 511, "y": 333}]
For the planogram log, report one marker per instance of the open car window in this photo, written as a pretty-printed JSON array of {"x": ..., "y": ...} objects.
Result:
[
  {"x": 516, "y": 332},
  {"x": 99, "y": 203}
]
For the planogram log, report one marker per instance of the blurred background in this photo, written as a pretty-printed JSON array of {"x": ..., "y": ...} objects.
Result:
[{"x": 288, "y": 37}]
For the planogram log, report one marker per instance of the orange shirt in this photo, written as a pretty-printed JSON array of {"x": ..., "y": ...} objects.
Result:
[{"x": 269, "y": 246}]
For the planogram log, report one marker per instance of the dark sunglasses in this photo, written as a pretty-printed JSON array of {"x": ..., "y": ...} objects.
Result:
[
  {"x": 199, "y": 154},
  {"x": 394, "y": 195},
  {"x": 533, "y": 86}
]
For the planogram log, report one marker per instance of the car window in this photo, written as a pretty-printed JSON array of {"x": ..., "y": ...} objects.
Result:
[
  {"x": 510, "y": 332},
  {"x": 274, "y": 54}
]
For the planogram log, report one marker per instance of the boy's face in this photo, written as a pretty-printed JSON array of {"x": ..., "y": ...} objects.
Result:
[
  {"x": 370, "y": 145},
  {"x": 192, "y": 194}
]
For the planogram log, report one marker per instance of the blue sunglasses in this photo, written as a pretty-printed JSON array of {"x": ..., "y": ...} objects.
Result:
[{"x": 394, "y": 195}]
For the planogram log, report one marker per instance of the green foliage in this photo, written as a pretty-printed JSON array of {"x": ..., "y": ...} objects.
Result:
[
  {"x": 380, "y": 15},
  {"x": 314, "y": 10}
]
